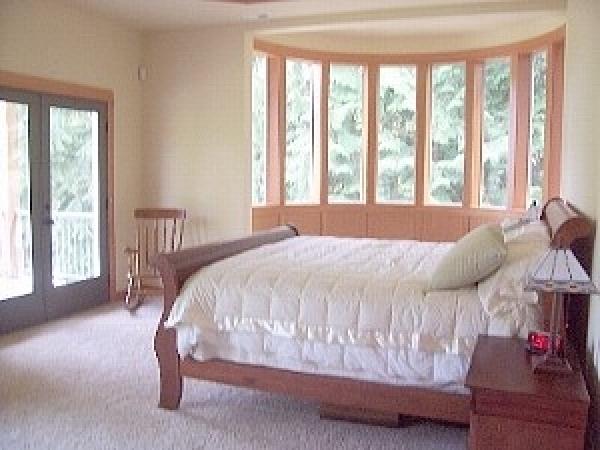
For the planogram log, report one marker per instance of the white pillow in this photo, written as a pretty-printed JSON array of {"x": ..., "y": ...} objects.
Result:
[
  {"x": 535, "y": 231},
  {"x": 474, "y": 257},
  {"x": 506, "y": 287}
]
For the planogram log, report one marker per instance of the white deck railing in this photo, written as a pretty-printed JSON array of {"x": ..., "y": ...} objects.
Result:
[{"x": 74, "y": 246}]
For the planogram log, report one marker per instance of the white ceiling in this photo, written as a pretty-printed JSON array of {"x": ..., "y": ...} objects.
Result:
[{"x": 179, "y": 14}]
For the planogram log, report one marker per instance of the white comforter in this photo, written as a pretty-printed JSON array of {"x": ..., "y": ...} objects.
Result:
[{"x": 290, "y": 303}]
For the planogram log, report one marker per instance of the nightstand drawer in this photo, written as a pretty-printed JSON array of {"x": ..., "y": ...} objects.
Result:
[
  {"x": 493, "y": 433},
  {"x": 572, "y": 414}
]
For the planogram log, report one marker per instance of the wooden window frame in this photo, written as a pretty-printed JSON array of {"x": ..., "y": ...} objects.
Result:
[{"x": 474, "y": 60}]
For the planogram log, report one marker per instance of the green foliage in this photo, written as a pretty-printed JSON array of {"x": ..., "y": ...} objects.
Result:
[
  {"x": 301, "y": 115},
  {"x": 397, "y": 127},
  {"x": 259, "y": 125},
  {"x": 397, "y": 132},
  {"x": 23, "y": 155},
  {"x": 447, "y": 133},
  {"x": 496, "y": 125},
  {"x": 73, "y": 157},
  {"x": 538, "y": 122},
  {"x": 345, "y": 151}
]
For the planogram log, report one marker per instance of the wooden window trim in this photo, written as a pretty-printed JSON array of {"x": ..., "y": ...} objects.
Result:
[
  {"x": 473, "y": 123},
  {"x": 275, "y": 79},
  {"x": 520, "y": 110},
  {"x": 324, "y": 188},
  {"x": 518, "y": 154},
  {"x": 370, "y": 132},
  {"x": 422, "y": 140}
]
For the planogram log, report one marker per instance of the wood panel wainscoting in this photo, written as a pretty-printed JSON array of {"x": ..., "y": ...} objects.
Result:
[{"x": 426, "y": 223}]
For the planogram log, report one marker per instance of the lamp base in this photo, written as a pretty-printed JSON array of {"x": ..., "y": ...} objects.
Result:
[{"x": 549, "y": 363}]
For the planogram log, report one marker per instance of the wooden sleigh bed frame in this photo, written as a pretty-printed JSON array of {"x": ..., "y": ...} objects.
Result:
[{"x": 567, "y": 227}]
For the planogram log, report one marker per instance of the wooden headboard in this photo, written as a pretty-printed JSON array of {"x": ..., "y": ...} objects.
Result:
[
  {"x": 569, "y": 228},
  {"x": 565, "y": 223}
]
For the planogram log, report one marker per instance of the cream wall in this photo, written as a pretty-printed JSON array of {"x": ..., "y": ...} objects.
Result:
[
  {"x": 196, "y": 129},
  {"x": 417, "y": 43},
  {"x": 50, "y": 40},
  {"x": 581, "y": 158}
]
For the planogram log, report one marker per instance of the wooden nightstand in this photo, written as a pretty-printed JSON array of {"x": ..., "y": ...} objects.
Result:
[{"x": 513, "y": 409}]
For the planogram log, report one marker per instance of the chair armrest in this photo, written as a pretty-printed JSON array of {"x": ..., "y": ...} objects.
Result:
[{"x": 130, "y": 251}]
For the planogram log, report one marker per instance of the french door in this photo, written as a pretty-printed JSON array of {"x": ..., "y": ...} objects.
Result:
[{"x": 53, "y": 207}]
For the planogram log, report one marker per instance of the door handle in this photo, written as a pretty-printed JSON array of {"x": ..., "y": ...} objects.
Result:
[{"x": 48, "y": 221}]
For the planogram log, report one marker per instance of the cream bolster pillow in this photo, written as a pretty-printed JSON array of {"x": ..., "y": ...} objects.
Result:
[{"x": 474, "y": 257}]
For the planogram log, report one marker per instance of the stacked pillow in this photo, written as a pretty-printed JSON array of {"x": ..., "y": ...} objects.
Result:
[
  {"x": 482, "y": 251},
  {"x": 517, "y": 231},
  {"x": 474, "y": 257}
]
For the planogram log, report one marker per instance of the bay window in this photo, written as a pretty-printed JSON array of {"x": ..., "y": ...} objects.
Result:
[{"x": 472, "y": 129}]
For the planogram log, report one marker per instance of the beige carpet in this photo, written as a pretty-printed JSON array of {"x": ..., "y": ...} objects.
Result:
[{"x": 90, "y": 382}]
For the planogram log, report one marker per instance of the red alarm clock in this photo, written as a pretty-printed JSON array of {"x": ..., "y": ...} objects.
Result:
[{"x": 538, "y": 342}]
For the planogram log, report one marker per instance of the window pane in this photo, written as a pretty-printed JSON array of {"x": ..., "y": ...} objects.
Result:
[
  {"x": 74, "y": 197},
  {"x": 538, "y": 122},
  {"x": 302, "y": 87},
  {"x": 16, "y": 274},
  {"x": 259, "y": 128},
  {"x": 345, "y": 152},
  {"x": 495, "y": 129},
  {"x": 446, "y": 164},
  {"x": 397, "y": 128}
]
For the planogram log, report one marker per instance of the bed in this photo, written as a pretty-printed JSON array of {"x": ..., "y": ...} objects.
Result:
[{"x": 344, "y": 322}]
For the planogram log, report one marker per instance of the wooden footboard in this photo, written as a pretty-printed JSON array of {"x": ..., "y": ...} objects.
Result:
[{"x": 174, "y": 269}]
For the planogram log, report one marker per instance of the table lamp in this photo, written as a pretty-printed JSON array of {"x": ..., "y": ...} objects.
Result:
[{"x": 558, "y": 272}]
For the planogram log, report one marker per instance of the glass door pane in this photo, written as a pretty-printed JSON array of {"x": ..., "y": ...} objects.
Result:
[
  {"x": 74, "y": 195},
  {"x": 16, "y": 274}
]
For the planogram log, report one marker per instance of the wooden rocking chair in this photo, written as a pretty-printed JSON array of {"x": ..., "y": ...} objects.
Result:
[{"x": 158, "y": 230}]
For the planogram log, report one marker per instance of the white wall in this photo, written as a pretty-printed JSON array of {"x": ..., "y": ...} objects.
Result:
[
  {"x": 196, "y": 129},
  {"x": 50, "y": 40},
  {"x": 581, "y": 158}
]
